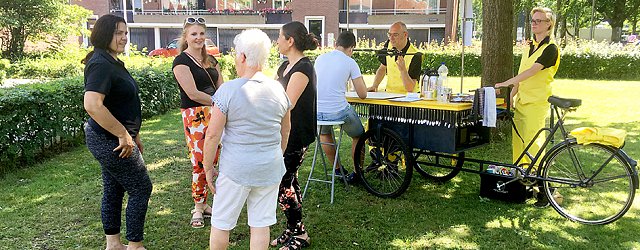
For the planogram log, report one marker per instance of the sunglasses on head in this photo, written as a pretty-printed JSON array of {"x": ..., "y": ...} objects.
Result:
[{"x": 194, "y": 20}]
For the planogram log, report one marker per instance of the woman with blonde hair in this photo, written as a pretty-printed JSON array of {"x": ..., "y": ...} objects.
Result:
[
  {"x": 532, "y": 86},
  {"x": 198, "y": 77}
]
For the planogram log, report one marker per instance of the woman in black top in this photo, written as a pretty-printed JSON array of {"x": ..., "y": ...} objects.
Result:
[
  {"x": 299, "y": 79},
  {"x": 198, "y": 78},
  {"x": 112, "y": 101}
]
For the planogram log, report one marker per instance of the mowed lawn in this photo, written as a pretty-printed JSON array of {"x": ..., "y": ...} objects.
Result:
[{"x": 56, "y": 204}]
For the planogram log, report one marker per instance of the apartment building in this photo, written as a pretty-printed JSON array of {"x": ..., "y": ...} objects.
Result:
[{"x": 155, "y": 23}]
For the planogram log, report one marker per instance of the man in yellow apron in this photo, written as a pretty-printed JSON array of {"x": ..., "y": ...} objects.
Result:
[
  {"x": 532, "y": 85},
  {"x": 402, "y": 70}
]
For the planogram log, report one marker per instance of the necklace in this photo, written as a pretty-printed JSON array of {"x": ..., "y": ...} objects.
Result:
[{"x": 194, "y": 57}]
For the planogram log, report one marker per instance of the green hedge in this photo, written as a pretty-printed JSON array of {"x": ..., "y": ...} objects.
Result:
[
  {"x": 38, "y": 119},
  {"x": 572, "y": 66}
]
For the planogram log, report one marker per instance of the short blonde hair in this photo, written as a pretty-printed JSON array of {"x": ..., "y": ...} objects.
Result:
[{"x": 549, "y": 14}]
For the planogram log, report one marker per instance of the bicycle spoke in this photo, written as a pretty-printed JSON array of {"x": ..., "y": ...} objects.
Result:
[{"x": 590, "y": 184}]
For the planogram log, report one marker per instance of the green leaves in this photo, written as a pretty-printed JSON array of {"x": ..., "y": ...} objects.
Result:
[
  {"x": 42, "y": 118},
  {"x": 38, "y": 20}
]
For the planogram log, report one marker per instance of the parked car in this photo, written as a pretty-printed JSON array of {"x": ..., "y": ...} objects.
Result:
[{"x": 172, "y": 49}]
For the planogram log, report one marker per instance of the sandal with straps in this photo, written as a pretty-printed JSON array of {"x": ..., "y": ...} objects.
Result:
[
  {"x": 297, "y": 243},
  {"x": 283, "y": 238},
  {"x": 198, "y": 222}
]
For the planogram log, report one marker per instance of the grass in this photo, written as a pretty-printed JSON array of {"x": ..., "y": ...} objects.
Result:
[{"x": 56, "y": 204}]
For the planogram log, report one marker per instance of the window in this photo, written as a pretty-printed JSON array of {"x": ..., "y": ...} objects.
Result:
[
  {"x": 433, "y": 7},
  {"x": 360, "y": 5},
  {"x": 281, "y": 4},
  {"x": 233, "y": 4}
]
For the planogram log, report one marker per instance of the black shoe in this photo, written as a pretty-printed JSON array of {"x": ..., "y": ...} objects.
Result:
[
  {"x": 338, "y": 172},
  {"x": 353, "y": 178}
]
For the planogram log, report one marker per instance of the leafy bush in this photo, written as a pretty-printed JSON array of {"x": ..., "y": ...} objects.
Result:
[
  {"x": 38, "y": 119},
  {"x": 578, "y": 60},
  {"x": 4, "y": 66}
]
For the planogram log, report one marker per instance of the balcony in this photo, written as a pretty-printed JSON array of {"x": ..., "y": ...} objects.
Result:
[
  {"x": 278, "y": 18},
  {"x": 226, "y": 16},
  {"x": 389, "y": 16},
  {"x": 355, "y": 17}
]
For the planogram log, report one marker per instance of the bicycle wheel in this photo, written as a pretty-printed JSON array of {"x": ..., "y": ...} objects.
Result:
[
  {"x": 590, "y": 184},
  {"x": 437, "y": 168},
  {"x": 385, "y": 163}
]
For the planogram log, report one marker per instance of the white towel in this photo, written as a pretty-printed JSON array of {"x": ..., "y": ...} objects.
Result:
[{"x": 489, "y": 112}]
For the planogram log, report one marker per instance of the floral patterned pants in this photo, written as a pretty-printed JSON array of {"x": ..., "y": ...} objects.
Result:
[
  {"x": 289, "y": 195},
  {"x": 196, "y": 121}
]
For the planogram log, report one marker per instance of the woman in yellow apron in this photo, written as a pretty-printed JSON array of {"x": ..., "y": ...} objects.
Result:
[{"x": 532, "y": 85}]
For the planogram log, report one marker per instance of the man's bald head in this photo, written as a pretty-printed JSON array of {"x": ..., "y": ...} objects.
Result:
[
  {"x": 400, "y": 25},
  {"x": 398, "y": 35}
]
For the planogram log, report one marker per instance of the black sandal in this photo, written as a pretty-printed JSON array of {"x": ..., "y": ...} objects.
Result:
[
  {"x": 283, "y": 238},
  {"x": 297, "y": 243}
]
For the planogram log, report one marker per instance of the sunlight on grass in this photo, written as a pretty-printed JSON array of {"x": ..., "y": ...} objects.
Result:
[
  {"x": 165, "y": 186},
  {"x": 170, "y": 142},
  {"x": 165, "y": 211},
  {"x": 158, "y": 132},
  {"x": 45, "y": 197},
  {"x": 163, "y": 162},
  {"x": 457, "y": 236},
  {"x": 502, "y": 222}
]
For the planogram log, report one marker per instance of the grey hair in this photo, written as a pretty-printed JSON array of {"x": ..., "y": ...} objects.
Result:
[{"x": 255, "y": 45}]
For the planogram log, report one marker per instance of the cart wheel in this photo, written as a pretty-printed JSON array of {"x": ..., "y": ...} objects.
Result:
[
  {"x": 385, "y": 163},
  {"x": 439, "y": 167}
]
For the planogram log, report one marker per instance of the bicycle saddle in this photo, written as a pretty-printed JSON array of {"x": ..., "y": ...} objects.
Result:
[{"x": 564, "y": 102}]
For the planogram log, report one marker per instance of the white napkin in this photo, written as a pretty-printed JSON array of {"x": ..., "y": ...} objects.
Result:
[{"x": 489, "y": 112}]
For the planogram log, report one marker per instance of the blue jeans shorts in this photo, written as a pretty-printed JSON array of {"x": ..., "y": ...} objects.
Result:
[{"x": 352, "y": 125}]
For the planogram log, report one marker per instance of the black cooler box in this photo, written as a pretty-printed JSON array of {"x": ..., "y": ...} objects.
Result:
[{"x": 512, "y": 192}]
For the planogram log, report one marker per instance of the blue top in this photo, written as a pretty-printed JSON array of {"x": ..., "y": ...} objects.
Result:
[{"x": 251, "y": 150}]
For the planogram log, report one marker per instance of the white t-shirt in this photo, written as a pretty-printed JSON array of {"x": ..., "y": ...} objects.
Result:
[
  {"x": 333, "y": 70},
  {"x": 251, "y": 152}
]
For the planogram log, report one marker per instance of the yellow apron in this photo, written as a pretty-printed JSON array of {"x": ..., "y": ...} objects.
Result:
[
  {"x": 394, "y": 81},
  {"x": 531, "y": 106}
]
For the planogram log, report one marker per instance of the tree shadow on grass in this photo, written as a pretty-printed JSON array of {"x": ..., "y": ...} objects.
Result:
[
  {"x": 451, "y": 215},
  {"x": 56, "y": 205}
]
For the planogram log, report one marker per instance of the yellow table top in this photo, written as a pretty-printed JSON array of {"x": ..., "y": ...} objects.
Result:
[{"x": 417, "y": 104}]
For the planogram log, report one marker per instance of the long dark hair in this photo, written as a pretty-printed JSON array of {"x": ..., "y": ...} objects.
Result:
[
  {"x": 303, "y": 40},
  {"x": 102, "y": 33}
]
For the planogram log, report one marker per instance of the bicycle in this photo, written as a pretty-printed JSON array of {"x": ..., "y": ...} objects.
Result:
[{"x": 587, "y": 183}]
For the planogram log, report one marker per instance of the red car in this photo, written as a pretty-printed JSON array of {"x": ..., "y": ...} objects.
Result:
[{"x": 172, "y": 49}]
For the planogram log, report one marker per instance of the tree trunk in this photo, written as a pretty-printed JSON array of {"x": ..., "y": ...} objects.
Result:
[
  {"x": 514, "y": 30},
  {"x": 16, "y": 44},
  {"x": 527, "y": 23},
  {"x": 497, "y": 45},
  {"x": 561, "y": 26},
  {"x": 617, "y": 20},
  {"x": 576, "y": 27}
]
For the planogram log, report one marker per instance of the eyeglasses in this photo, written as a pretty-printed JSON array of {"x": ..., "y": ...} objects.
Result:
[
  {"x": 393, "y": 34},
  {"x": 538, "y": 21},
  {"x": 194, "y": 20}
]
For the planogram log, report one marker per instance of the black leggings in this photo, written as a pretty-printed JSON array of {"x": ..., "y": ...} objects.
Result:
[{"x": 120, "y": 175}]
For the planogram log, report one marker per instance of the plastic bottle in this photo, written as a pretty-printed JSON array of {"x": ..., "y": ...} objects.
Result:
[{"x": 443, "y": 71}]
